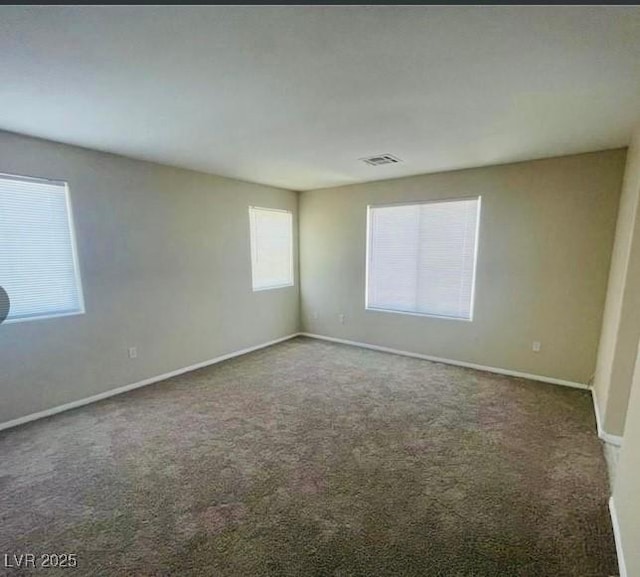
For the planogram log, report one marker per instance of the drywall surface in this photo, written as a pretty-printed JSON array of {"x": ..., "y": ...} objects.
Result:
[
  {"x": 625, "y": 491},
  {"x": 166, "y": 267},
  {"x": 621, "y": 322},
  {"x": 546, "y": 235}
]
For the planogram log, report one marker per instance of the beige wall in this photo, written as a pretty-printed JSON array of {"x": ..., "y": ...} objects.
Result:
[
  {"x": 166, "y": 267},
  {"x": 621, "y": 322},
  {"x": 617, "y": 385},
  {"x": 626, "y": 491},
  {"x": 546, "y": 236},
  {"x": 165, "y": 264}
]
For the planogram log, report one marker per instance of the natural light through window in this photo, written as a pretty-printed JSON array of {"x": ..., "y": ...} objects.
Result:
[
  {"x": 271, "y": 248},
  {"x": 421, "y": 257},
  {"x": 38, "y": 263}
]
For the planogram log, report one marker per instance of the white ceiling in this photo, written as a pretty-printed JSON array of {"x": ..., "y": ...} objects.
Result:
[{"x": 293, "y": 96}]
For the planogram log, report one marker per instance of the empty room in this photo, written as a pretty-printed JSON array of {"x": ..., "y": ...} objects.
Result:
[{"x": 332, "y": 291}]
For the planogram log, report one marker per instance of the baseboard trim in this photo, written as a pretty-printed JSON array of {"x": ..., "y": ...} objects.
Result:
[
  {"x": 614, "y": 440},
  {"x": 143, "y": 383},
  {"x": 496, "y": 370},
  {"x": 622, "y": 569}
]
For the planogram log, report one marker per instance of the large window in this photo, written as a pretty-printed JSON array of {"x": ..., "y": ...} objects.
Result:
[
  {"x": 38, "y": 265},
  {"x": 271, "y": 248},
  {"x": 421, "y": 257}
]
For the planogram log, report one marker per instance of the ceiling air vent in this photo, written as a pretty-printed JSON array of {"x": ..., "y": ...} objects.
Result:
[{"x": 379, "y": 159}]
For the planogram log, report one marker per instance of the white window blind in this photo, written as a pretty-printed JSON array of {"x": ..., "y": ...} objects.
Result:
[
  {"x": 271, "y": 248},
  {"x": 421, "y": 257},
  {"x": 38, "y": 265}
]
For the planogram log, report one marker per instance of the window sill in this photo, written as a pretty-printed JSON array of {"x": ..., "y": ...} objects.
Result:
[
  {"x": 268, "y": 288},
  {"x": 414, "y": 314},
  {"x": 43, "y": 317}
]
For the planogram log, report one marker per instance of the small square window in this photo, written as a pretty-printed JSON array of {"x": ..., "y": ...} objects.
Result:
[{"x": 421, "y": 257}]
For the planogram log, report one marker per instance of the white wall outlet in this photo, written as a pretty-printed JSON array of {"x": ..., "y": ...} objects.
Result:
[
  {"x": 341, "y": 318},
  {"x": 535, "y": 347},
  {"x": 314, "y": 315},
  {"x": 133, "y": 352}
]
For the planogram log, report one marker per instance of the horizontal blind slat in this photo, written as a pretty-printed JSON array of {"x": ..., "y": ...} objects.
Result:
[
  {"x": 271, "y": 247},
  {"x": 37, "y": 265},
  {"x": 422, "y": 257}
]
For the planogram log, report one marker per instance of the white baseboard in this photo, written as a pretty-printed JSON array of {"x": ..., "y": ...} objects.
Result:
[
  {"x": 499, "y": 371},
  {"x": 614, "y": 440},
  {"x": 622, "y": 569},
  {"x": 131, "y": 387}
]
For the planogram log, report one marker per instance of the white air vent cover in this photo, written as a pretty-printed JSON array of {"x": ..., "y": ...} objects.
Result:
[{"x": 379, "y": 159}]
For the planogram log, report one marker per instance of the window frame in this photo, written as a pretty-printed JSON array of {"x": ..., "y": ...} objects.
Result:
[
  {"x": 74, "y": 251},
  {"x": 369, "y": 308},
  {"x": 252, "y": 244}
]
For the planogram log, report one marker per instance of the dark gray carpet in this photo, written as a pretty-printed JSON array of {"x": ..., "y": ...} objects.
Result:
[{"x": 315, "y": 459}]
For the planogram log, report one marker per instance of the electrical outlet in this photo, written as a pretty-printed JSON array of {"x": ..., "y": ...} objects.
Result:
[
  {"x": 314, "y": 315},
  {"x": 341, "y": 319},
  {"x": 536, "y": 346},
  {"x": 133, "y": 352}
]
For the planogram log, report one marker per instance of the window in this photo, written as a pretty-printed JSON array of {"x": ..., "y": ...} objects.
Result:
[
  {"x": 38, "y": 264},
  {"x": 271, "y": 248},
  {"x": 421, "y": 258}
]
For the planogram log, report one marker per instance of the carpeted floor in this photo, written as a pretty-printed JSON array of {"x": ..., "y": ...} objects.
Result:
[{"x": 315, "y": 459}]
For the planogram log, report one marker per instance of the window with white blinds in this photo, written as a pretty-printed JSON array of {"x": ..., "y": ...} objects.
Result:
[
  {"x": 421, "y": 258},
  {"x": 271, "y": 248},
  {"x": 38, "y": 264}
]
